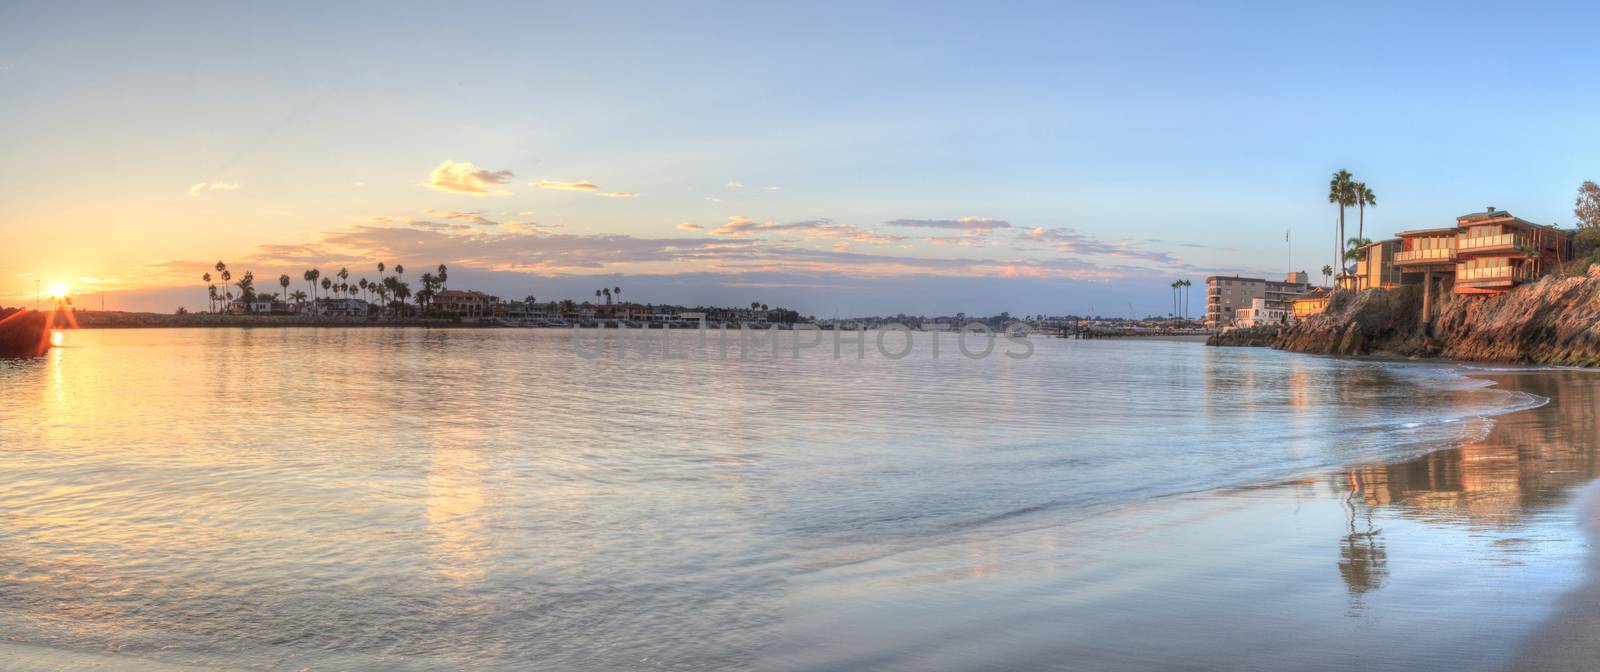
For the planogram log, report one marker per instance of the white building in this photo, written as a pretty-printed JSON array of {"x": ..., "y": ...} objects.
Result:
[{"x": 1259, "y": 314}]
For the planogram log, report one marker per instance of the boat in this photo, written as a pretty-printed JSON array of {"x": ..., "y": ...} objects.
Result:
[{"x": 25, "y": 333}]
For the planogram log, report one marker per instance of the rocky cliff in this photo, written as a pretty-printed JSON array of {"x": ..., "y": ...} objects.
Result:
[{"x": 1553, "y": 321}]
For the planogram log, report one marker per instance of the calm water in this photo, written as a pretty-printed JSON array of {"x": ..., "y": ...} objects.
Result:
[{"x": 475, "y": 499}]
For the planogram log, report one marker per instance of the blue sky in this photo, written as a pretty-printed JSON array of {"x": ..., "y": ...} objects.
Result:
[{"x": 1148, "y": 141}]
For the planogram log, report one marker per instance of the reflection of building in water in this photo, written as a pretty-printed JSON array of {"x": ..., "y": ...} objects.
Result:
[{"x": 1528, "y": 462}]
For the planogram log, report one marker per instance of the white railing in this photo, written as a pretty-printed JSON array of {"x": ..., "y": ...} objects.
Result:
[
  {"x": 1504, "y": 239},
  {"x": 1492, "y": 273},
  {"x": 1436, "y": 254}
]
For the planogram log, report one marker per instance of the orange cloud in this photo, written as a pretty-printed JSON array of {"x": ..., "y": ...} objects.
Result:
[{"x": 465, "y": 178}]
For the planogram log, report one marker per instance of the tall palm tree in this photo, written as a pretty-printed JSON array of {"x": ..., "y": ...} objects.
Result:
[
  {"x": 344, "y": 274},
  {"x": 284, "y": 280},
  {"x": 1341, "y": 192},
  {"x": 1186, "y": 292},
  {"x": 1327, "y": 272},
  {"x": 327, "y": 284},
  {"x": 380, "y": 270},
  {"x": 399, "y": 271},
  {"x": 227, "y": 277},
  {"x": 444, "y": 277},
  {"x": 1364, "y": 198},
  {"x": 212, "y": 291},
  {"x": 206, "y": 278},
  {"x": 1173, "y": 296}
]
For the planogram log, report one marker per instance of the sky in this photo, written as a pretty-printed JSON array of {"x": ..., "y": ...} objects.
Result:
[{"x": 840, "y": 159}]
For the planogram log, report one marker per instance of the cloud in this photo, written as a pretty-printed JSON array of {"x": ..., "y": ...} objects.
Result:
[
  {"x": 580, "y": 185},
  {"x": 739, "y": 226},
  {"x": 196, "y": 188},
  {"x": 465, "y": 178},
  {"x": 468, "y": 217},
  {"x": 686, "y": 226},
  {"x": 732, "y": 184},
  {"x": 971, "y": 226},
  {"x": 584, "y": 186},
  {"x": 1069, "y": 241},
  {"x": 772, "y": 188}
]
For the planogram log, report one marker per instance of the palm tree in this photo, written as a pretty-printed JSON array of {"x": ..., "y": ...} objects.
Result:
[
  {"x": 227, "y": 276},
  {"x": 311, "y": 276},
  {"x": 399, "y": 271},
  {"x": 444, "y": 276},
  {"x": 402, "y": 291},
  {"x": 212, "y": 291},
  {"x": 298, "y": 297},
  {"x": 327, "y": 284},
  {"x": 1173, "y": 295},
  {"x": 1341, "y": 192},
  {"x": 1186, "y": 285},
  {"x": 284, "y": 281},
  {"x": 1364, "y": 198},
  {"x": 1327, "y": 272},
  {"x": 344, "y": 274},
  {"x": 247, "y": 289},
  {"x": 206, "y": 278},
  {"x": 1353, "y": 247}
]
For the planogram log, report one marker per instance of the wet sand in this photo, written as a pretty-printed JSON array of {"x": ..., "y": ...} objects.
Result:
[{"x": 1455, "y": 560}]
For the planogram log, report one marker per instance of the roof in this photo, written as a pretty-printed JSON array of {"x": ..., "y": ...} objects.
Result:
[
  {"x": 1423, "y": 232},
  {"x": 1491, "y": 213},
  {"x": 1313, "y": 295}
]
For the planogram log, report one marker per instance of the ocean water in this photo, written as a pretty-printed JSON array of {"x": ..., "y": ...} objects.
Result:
[{"x": 502, "y": 499}]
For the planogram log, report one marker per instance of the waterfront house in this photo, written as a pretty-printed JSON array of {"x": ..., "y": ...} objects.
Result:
[
  {"x": 1374, "y": 266},
  {"x": 342, "y": 307},
  {"x": 1226, "y": 294},
  {"x": 1259, "y": 314},
  {"x": 1496, "y": 251},
  {"x": 1309, "y": 303},
  {"x": 464, "y": 303},
  {"x": 1484, "y": 253}
]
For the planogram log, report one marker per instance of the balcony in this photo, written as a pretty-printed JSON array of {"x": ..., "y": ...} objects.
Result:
[
  {"x": 1492, "y": 274},
  {"x": 1504, "y": 242},
  {"x": 1441, "y": 255}
]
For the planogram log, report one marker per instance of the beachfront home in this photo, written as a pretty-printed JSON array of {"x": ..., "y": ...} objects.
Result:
[
  {"x": 1227, "y": 294},
  {"x": 1309, "y": 303},
  {"x": 464, "y": 303},
  {"x": 1374, "y": 266},
  {"x": 344, "y": 307},
  {"x": 1259, "y": 314},
  {"x": 1496, "y": 251},
  {"x": 1484, "y": 253}
]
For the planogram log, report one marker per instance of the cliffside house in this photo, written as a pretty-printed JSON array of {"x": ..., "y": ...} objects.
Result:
[
  {"x": 1226, "y": 294},
  {"x": 1310, "y": 303},
  {"x": 1484, "y": 253},
  {"x": 1374, "y": 266}
]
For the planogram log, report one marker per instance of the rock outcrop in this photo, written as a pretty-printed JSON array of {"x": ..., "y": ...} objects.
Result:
[
  {"x": 1553, "y": 321},
  {"x": 1260, "y": 337}
]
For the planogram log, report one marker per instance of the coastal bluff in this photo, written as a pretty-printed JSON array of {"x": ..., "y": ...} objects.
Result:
[{"x": 1553, "y": 321}]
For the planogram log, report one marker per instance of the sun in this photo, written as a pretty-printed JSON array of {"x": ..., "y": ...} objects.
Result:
[{"x": 59, "y": 290}]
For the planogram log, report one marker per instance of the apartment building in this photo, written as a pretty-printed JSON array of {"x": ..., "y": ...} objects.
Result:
[{"x": 1226, "y": 294}]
